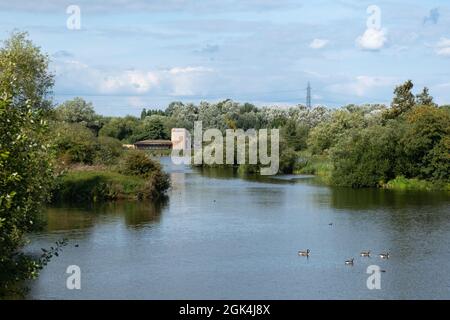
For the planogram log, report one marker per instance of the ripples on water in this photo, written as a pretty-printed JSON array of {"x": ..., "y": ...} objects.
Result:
[{"x": 220, "y": 236}]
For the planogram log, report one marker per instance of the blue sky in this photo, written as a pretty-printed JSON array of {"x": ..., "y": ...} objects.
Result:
[{"x": 131, "y": 54}]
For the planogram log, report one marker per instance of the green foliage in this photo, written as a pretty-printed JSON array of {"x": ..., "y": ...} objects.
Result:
[
  {"x": 143, "y": 180},
  {"x": 415, "y": 145},
  {"x": 328, "y": 133},
  {"x": 425, "y": 99},
  {"x": 24, "y": 73},
  {"x": 318, "y": 165},
  {"x": 403, "y": 100},
  {"x": 151, "y": 127},
  {"x": 295, "y": 135},
  {"x": 25, "y": 158},
  {"x": 120, "y": 128},
  {"x": 108, "y": 151},
  {"x": 76, "y": 111},
  {"x": 138, "y": 163},
  {"x": 426, "y": 143},
  {"x": 365, "y": 158},
  {"x": 288, "y": 159},
  {"x": 81, "y": 112},
  {"x": 75, "y": 142},
  {"x": 94, "y": 185},
  {"x": 402, "y": 183}
]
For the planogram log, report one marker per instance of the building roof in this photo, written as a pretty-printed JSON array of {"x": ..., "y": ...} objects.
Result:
[{"x": 153, "y": 142}]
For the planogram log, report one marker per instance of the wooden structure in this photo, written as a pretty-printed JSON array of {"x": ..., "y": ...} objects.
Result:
[{"x": 153, "y": 145}]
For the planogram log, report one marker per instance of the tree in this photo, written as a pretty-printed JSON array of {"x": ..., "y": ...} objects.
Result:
[
  {"x": 25, "y": 157},
  {"x": 328, "y": 133},
  {"x": 403, "y": 100},
  {"x": 424, "y": 98},
  {"x": 24, "y": 73},
  {"x": 76, "y": 111},
  {"x": 143, "y": 114},
  {"x": 74, "y": 143},
  {"x": 120, "y": 128},
  {"x": 295, "y": 135},
  {"x": 366, "y": 158},
  {"x": 426, "y": 143}
]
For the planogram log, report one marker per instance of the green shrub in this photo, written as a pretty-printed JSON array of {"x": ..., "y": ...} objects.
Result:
[
  {"x": 108, "y": 151},
  {"x": 402, "y": 183},
  {"x": 92, "y": 186},
  {"x": 76, "y": 142},
  {"x": 155, "y": 185},
  {"x": 138, "y": 163}
]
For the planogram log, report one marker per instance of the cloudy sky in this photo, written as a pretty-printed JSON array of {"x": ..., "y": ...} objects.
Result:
[{"x": 130, "y": 54}]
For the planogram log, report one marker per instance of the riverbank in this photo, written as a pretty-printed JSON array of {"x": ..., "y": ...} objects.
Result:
[
  {"x": 96, "y": 185},
  {"x": 137, "y": 177},
  {"x": 218, "y": 224},
  {"x": 322, "y": 168}
]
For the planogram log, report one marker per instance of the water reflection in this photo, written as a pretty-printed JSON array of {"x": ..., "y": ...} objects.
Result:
[
  {"x": 133, "y": 214},
  {"x": 225, "y": 236},
  {"x": 370, "y": 198}
]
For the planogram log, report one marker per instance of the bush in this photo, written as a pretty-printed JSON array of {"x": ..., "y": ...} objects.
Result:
[
  {"x": 138, "y": 163},
  {"x": 75, "y": 142},
  {"x": 427, "y": 143},
  {"x": 365, "y": 158},
  {"x": 155, "y": 185},
  {"x": 108, "y": 150},
  {"x": 288, "y": 159},
  {"x": 93, "y": 186}
]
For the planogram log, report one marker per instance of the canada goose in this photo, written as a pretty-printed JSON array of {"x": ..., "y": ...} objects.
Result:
[
  {"x": 384, "y": 255},
  {"x": 349, "y": 262},
  {"x": 304, "y": 253},
  {"x": 365, "y": 253}
]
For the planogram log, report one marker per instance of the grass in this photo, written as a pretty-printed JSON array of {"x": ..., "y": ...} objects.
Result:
[
  {"x": 402, "y": 183},
  {"x": 97, "y": 185},
  {"x": 320, "y": 166}
]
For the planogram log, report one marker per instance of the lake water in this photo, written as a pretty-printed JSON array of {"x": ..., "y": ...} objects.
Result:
[{"x": 219, "y": 236}]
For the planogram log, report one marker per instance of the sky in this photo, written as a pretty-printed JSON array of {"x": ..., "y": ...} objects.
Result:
[{"x": 124, "y": 55}]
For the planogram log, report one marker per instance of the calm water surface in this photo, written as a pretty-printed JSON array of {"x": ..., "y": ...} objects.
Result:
[{"x": 222, "y": 237}]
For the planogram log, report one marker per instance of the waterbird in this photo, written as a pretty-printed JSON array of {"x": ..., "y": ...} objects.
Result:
[
  {"x": 349, "y": 262},
  {"x": 304, "y": 253},
  {"x": 76, "y": 246},
  {"x": 330, "y": 224},
  {"x": 365, "y": 253},
  {"x": 384, "y": 255}
]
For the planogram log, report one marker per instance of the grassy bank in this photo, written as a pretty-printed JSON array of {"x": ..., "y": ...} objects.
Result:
[
  {"x": 320, "y": 166},
  {"x": 402, "y": 183},
  {"x": 95, "y": 185}
]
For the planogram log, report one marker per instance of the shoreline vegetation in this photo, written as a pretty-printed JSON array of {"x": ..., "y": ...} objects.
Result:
[{"x": 68, "y": 152}]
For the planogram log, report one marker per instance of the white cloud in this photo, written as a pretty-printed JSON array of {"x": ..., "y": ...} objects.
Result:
[
  {"x": 443, "y": 47},
  {"x": 186, "y": 70},
  {"x": 372, "y": 39},
  {"x": 362, "y": 85},
  {"x": 318, "y": 43},
  {"x": 77, "y": 78}
]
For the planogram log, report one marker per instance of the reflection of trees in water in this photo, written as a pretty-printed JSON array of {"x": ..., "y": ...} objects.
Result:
[
  {"x": 229, "y": 172},
  {"x": 403, "y": 217},
  {"x": 371, "y": 198},
  {"x": 134, "y": 214}
]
